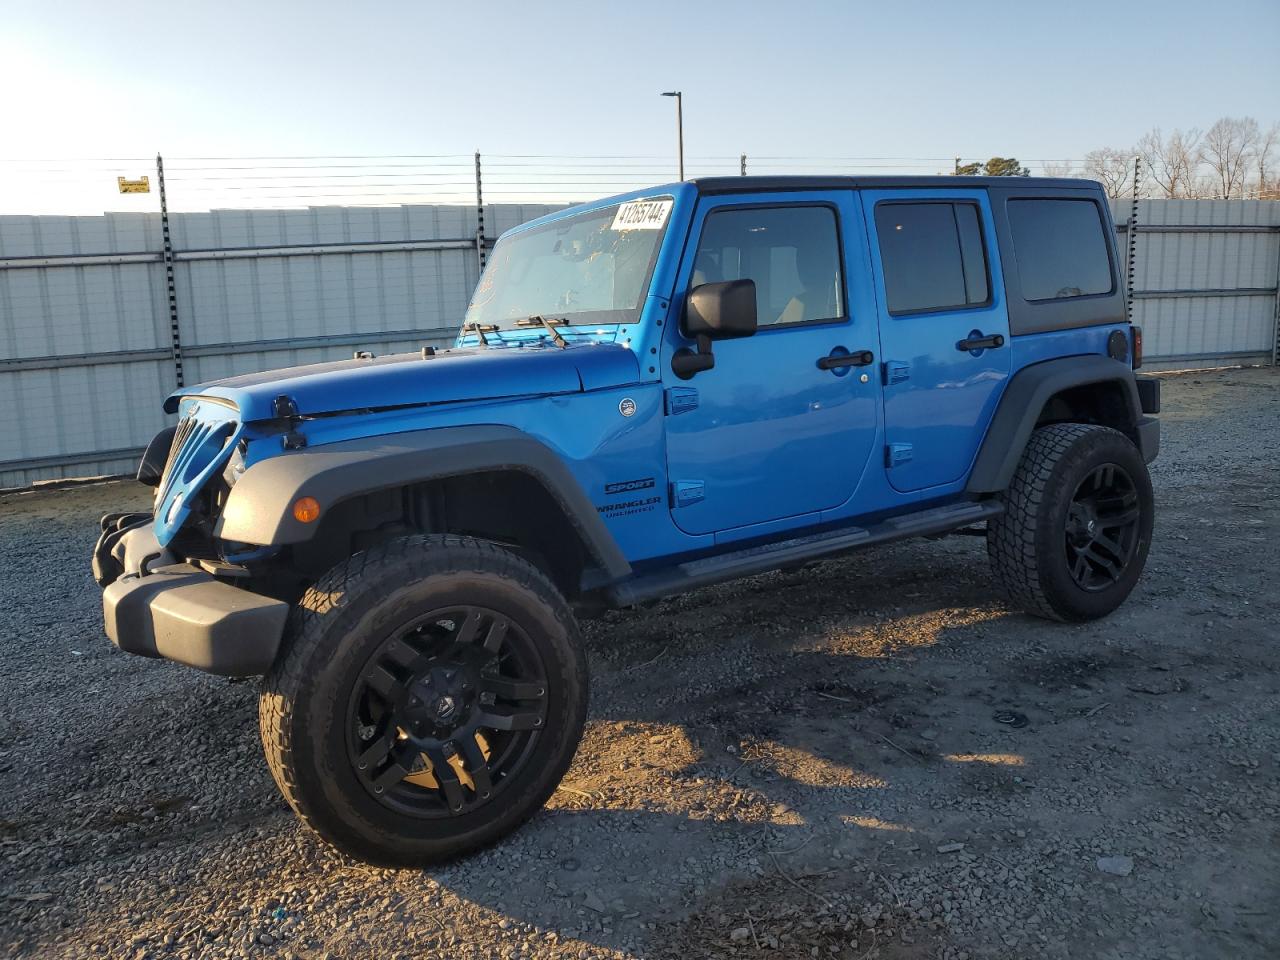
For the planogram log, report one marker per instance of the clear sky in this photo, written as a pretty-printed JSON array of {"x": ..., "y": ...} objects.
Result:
[{"x": 92, "y": 79}]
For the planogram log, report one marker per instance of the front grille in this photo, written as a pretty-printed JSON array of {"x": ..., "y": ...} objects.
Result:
[
  {"x": 197, "y": 443},
  {"x": 202, "y": 441},
  {"x": 185, "y": 428}
]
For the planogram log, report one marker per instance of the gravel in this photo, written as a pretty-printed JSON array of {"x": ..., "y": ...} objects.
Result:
[{"x": 804, "y": 764}]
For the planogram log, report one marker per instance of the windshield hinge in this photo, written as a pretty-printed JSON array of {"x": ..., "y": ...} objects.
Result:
[
  {"x": 681, "y": 400},
  {"x": 685, "y": 493}
]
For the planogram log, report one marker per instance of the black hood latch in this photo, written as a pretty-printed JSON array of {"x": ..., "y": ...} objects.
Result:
[{"x": 286, "y": 412}]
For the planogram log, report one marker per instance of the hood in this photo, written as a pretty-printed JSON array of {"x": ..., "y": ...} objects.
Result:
[{"x": 410, "y": 379}]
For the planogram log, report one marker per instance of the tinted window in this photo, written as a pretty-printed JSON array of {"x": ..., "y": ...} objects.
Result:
[
  {"x": 971, "y": 253},
  {"x": 1060, "y": 248},
  {"x": 932, "y": 255},
  {"x": 791, "y": 253}
]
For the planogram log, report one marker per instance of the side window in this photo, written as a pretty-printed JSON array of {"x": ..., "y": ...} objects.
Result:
[
  {"x": 933, "y": 256},
  {"x": 1060, "y": 248},
  {"x": 791, "y": 253}
]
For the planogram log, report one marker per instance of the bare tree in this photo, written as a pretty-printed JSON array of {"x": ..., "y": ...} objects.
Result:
[
  {"x": 1058, "y": 168},
  {"x": 1111, "y": 167},
  {"x": 1268, "y": 185},
  {"x": 1172, "y": 163},
  {"x": 1229, "y": 148}
]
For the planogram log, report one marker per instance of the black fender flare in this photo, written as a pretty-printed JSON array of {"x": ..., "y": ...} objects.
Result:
[
  {"x": 1025, "y": 397},
  {"x": 259, "y": 506}
]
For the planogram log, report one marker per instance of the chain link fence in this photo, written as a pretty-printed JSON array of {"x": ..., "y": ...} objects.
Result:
[{"x": 213, "y": 266}]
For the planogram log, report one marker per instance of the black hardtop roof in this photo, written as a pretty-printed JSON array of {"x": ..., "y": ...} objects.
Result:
[{"x": 760, "y": 184}]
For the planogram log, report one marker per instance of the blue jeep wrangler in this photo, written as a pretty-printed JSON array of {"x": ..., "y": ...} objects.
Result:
[{"x": 650, "y": 393}]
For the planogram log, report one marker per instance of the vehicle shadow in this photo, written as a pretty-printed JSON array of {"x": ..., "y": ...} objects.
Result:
[
  {"x": 799, "y": 730},
  {"x": 781, "y": 727}
]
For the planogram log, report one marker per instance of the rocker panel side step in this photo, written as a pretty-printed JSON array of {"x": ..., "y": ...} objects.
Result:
[{"x": 761, "y": 559}]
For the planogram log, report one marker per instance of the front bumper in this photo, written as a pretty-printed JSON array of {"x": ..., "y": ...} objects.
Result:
[{"x": 161, "y": 608}]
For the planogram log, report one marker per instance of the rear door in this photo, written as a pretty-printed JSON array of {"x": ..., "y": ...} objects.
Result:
[{"x": 944, "y": 329}]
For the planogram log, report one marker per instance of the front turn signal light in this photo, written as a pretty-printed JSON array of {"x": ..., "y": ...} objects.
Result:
[{"x": 306, "y": 510}]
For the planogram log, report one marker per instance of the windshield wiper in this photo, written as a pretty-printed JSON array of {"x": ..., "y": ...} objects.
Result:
[
  {"x": 538, "y": 320},
  {"x": 480, "y": 330}
]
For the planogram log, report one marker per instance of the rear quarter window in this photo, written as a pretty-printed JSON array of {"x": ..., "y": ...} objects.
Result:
[{"x": 1060, "y": 248}]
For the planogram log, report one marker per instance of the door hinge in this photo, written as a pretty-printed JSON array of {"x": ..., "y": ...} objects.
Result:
[
  {"x": 685, "y": 493},
  {"x": 896, "y": 454},
  {"x": 896, "y": 371},
  {"x": 681, "y": 400}
]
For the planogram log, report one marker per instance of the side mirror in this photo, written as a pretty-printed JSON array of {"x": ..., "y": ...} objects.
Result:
[
  {"x": 714, "y": 311},
  {"x": 721, "y": 310}
]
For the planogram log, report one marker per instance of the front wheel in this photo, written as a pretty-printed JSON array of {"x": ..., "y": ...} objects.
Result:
[
  {"x": 1074, "y": 536},
  {"x": 429, "y": 696}
]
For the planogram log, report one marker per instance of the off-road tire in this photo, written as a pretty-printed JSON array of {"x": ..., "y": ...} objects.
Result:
[
  {"x": 1026, "y": 543},
  {"x": 303, "y": 708}
]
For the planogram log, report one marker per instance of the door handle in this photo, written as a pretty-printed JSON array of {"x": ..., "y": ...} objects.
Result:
[
  {"x": 975, "y": 341},
  {"x": 859, "y": 358}
]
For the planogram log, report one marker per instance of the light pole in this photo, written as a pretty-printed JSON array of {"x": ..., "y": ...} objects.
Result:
[{"x": 679, "y": 126}]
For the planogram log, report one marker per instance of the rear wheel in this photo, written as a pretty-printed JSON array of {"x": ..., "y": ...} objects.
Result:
[
  {"x": 428, "y": 698},
  {"x": 1074, "y": 536}
]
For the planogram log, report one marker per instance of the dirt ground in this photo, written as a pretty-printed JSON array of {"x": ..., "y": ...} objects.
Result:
[{"x": 808, "y": 764}]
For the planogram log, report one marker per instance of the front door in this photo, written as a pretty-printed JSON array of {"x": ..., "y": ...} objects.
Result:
[
  {"x": 944, "y": 329},
  {"x": 770, "y": 434}
]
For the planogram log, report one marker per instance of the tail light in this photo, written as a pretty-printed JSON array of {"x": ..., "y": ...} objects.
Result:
[{"x": 1137, "y": 347}]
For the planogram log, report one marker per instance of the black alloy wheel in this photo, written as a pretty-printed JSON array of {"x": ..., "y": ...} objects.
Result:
[
  {"x": 446, "y": 711},
  {"x": 1102, "y": 528}
]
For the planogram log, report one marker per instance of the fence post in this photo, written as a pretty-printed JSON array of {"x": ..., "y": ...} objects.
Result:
[
  {"x": 1133, "y": 238},
  {"x": 742, "y": 165},
  {"x": 174, "y": 333},
  {"x": 480, "y": 251},
  {"x": 1275, "y": 328}
]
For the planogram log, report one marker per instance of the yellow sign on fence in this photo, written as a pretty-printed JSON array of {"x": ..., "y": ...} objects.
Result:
[{"x": 134, "y": 186}]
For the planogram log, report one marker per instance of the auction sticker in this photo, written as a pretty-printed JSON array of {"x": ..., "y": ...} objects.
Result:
[{"x": 642, "y": 215}]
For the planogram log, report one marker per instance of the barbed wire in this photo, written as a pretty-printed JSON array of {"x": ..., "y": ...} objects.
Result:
[{"x": 196, "y": 183}]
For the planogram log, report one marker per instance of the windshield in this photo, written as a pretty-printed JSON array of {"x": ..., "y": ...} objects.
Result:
[{"x": 592, "y": 268}]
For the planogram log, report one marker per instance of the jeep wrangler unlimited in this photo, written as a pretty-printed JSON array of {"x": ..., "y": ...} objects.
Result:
[{"x": 650, "y": 393}]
